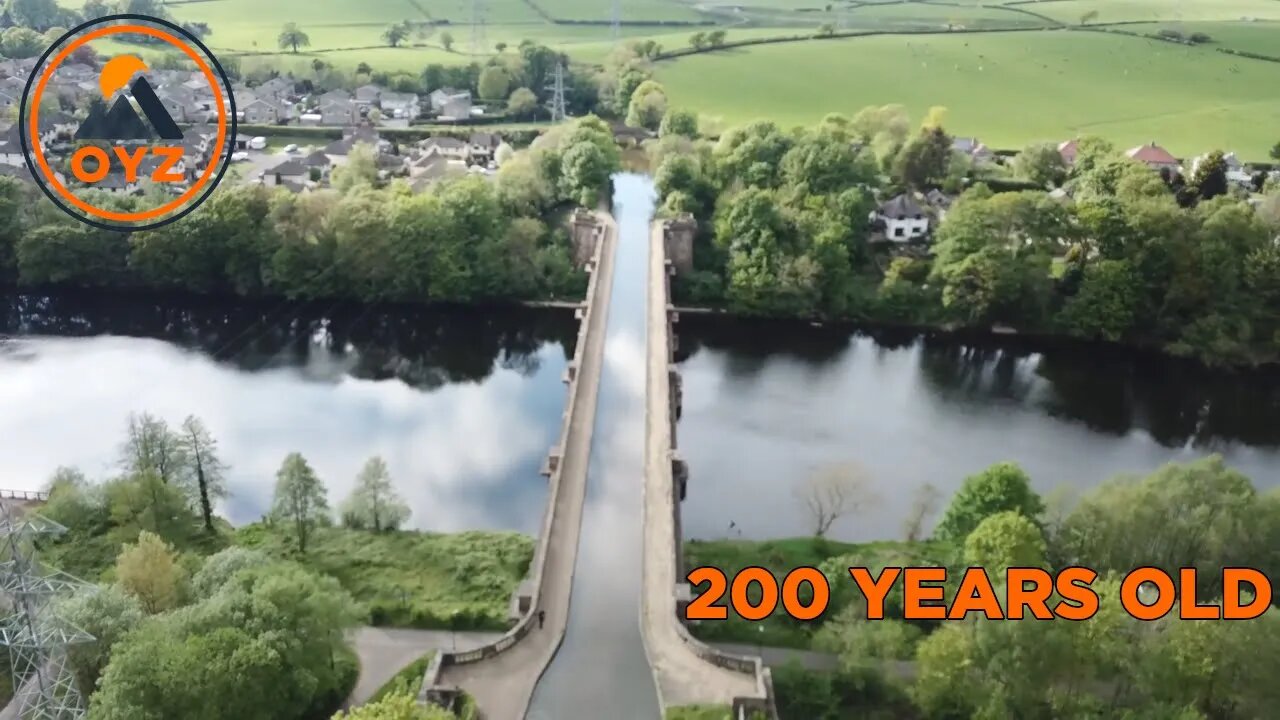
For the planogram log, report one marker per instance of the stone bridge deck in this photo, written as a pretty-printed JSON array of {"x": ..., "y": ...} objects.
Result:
[
  {"x": 686, "y": 670},
  {"x": 501, "y": 676}
]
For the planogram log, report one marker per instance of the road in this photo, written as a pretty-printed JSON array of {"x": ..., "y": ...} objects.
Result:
[{"x": 384, "y": 652}]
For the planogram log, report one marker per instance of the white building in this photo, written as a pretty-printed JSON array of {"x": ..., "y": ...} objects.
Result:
[{"x": 904, "y": 219}]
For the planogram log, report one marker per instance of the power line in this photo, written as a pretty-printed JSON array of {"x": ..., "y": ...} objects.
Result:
[
  {"x": 477, "y": 26},
  {"x": 556, "y": 104}
]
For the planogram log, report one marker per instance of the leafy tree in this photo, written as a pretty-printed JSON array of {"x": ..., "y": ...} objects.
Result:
[
  {"x": 679, "y": 122},
  {"x": 522, "y": 103},
  {"x": 923, "y": 161},
  {"x": 219, "y": 568},
  {"x": 292, "y": 36},
  {"x": 71, "y": 255},
  {"x": 698, "y": 41},
  {"x": 107, "y": 613},
  {"x": 299, "y": 498},
  {"x": 715, "y": 38},
  {"x": 1088, "y": 17},
  {"x": 397, "y": 706},
  {"x": 150, "y": 446},
  {"x": 494, "y": 82},
  {"x": 146, "y": 502},
  {"x": 446, "y": 40},
  {"x": 374, "y": 503},
  {"x": 824, "y": 163},
  {"x": 1001, "y": 487},
  {"x": 648, "y": 105},
  {"x": 1004, "y": 540},
  {"x": 201, "y": 451},
  {"x": 1275, "y": 151},
  {"x": 149, "y": 571},
  {"x": 826, "y": 30},
  {"x": 1106, "y": 305},
  {"x": 360, "y": 169},
  {"x": 35, "y": 14},
  {"x": 500, "y": 47},
  {"x": 395, "y": 33},
  {"x": 1041, "y": 164},
  {"x": 94, "y": 9},
  {"x": 1210, "y": 177}
]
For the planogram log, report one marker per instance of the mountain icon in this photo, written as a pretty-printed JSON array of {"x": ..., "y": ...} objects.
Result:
[{"x": 121, "y": 122}]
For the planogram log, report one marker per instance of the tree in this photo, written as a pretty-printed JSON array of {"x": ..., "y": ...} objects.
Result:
[
  {"x": 1088, "y": 17},
  {"x": 219, "y": 568},
  {"x": 826, "y": 30},
  {"x": 397, "y": 706},
  {"x": 201, "y": 452},
  {"x": 395, "y": 33},
  {"x": 1275, "y": 151},
  {"x": 374, "y": 503},
  {"x": 715, "y": 38},
  {"x": 494, "y": 83},
  {"x": 1041, "y": 164},
  {"x": 923, "y": 506},
  {"x": 35, "y": 14},
  {"x": 150, "y": 446},
  {"x": 522, "y": 103},
  {"x": 1003, "y": 486},
  {"x": 107, "y": 613},
  {"x": 1210, "y": 177},
  {"x": 1106, "y": 304},
  {"x": 299, "y": 498},
  {"x": 360, "y": 169},
  {"x": 500, "y": 47},
  {"x": 834, "y": 492},
  {"x": 446, "y": 40},
  {"x": 94, "y": 9},
  {"x": 923, "y": 161},
  {"x": 150, "y": 572},
  {"x": 679, "y": 122},
  {"x": 291, "y": 36},
  {"x": 1004, "y": 540},
  {"x": 698, "y": 41},
  {"x": 648, "y": 105}
]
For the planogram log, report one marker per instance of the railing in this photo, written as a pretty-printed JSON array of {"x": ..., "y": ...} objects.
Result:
[
  {"x": 32, "y": 495},
  {"x": 431, "y": 677}
]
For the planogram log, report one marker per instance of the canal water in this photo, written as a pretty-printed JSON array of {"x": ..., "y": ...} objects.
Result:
[
  {"x": 601, "y": 669},
  {"x": 462, "y": 403}
]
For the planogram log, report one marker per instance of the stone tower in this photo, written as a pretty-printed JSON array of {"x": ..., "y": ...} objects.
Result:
[{"x": 677, "y": 240}]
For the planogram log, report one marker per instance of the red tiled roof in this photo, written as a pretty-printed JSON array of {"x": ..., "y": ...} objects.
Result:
[
  {"x": 1068, "y": 150},
  {"x": 1152, "y": 154}
]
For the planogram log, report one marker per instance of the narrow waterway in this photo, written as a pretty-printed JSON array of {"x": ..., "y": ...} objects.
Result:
[{"x": 601, "y": 670}]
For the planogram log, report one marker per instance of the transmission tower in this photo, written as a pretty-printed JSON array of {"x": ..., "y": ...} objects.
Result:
[
  {"x": 477, "y": 26},
  {"x": 44, "y": 688},
  {"x": 617, "y": 19},
  {"x": 556, "y": 103}
]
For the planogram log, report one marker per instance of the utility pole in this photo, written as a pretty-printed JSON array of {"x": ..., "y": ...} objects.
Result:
[
  {"x": 44, "y": 687},
  {"x": 477, "y": 26},
  {"x": 556, "y": 103}
]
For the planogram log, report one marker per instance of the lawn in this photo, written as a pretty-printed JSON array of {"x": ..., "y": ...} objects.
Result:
[{"x": 1009, "y": 89}]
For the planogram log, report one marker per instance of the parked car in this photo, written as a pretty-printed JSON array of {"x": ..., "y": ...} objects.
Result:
[
  {"x": 291, "y": 148},
  {"x": 239, "y": 156}
]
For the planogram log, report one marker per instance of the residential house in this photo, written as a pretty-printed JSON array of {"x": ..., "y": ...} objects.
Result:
[
  {"x": 399, "y": 105},
  {"x": 317, "y": 162},
  {"x": 426, "y": 170},
  {"x": 904, "y": 219},
  {"x": 939, "y": 202},
  {"x": 974, "y": 149},
  {"x": 482, "y": 146},
  {"x": 450, "y": 103},
  {"x": 9, "y": 99},
  {"x": 1236, "y": 171},
  {"x": 336, "y": 95},
  {"x": 1155, "y": 157},
  {"x": 277, "y": 88},
  {"x": 291, "y": 171},
  {"x": 368, "y": 94},
  {"x": 334, "y": 111},
  {"x": 265, "y": 112},
  {"x": 389, "y": 165},
  {"x": 1068, "y": 149},
  {"x": 11, "y": 147},
  {"x": 446, "y": 147}
]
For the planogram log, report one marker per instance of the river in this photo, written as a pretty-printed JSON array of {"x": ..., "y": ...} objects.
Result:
[{"x": 462, "y": 403}]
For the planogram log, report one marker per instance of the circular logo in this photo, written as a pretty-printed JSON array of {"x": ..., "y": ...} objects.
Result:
[{"x": 160, "y": 136}]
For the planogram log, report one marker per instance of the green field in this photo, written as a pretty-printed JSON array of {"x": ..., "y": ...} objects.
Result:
[
  {"x": 1008, "y": 89},
  {"x": 1110, "y": 11},
  {"x": 1261, "y": 37}
]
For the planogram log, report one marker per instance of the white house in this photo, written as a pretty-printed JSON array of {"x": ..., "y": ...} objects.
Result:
[
  {"x": 289, "y": 171},
  {"x": 904, "y": 219},
  {"x": 399, "y": 105},
  {"x": 446, "y": 147},
  {"x": 1236, "y": 171}
]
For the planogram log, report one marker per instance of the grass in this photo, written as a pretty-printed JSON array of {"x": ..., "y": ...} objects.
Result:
[
  {"x": 1110, "y": 11},
  {"x": 408, "y": 680},
  {"x": 700, "y": 712},
  {"x": 414, "y": 579},
  {"x": 781, "y": 556},
  {"x": 1262, "y": 38},
  {"x": 1009, "y": 89}
]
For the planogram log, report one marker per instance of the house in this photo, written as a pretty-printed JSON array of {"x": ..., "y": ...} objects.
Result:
[
  {"x": 336, "y": 95},
  {"x": 482, "y": 146},
  {"x": 389, "y": 165},
  {"x": 265, "y": 112},
  {"x": 9, "y": 99},
  {"x": 277, "y": 88},
  {"x": 426, "y": 170},
  {"x": 1154, "y": 157},
  {"x": 334, "y": 111},
  {"x": 1236, "y": 171},
  {"x": 11, "y": 147},
  {"x": 399, "y": 105},
  {"x": 317, "y": 162},
  {"x": 368, "y": 94},
  {"x": 940, "y": 202},
  {"x": 288, "y": 171},
  {"x": 446, "y": 147},
  {"x": 338, "y": 150},
  {"x": 974, "y": 149},
  {"x": 116, "y": 182},
  {"x": 447, "y": 102},
  {"x": 1068, "y": 150},
  {"x": 904, "y": 219}
]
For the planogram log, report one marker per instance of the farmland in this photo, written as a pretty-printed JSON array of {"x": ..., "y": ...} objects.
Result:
[{"x": 1009, "y": 89}]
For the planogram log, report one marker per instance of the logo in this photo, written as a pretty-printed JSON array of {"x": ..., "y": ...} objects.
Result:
[{"x": 128, "y": 140}]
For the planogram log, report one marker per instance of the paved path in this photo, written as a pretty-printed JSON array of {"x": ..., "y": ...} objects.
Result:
[
  {"x": 384, "y": 652},
  {"x": 682, "y": 677},
  {"x": 503, "y": 685}
]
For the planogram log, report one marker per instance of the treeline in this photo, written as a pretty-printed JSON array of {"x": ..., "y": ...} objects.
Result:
[
  {"x": 1201, "y": 515},
  {"x": 468, "y": 239},
  {"x": 1130, "y": 256}
]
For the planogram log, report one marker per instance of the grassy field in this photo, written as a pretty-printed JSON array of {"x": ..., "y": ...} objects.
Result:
[
  {"x": 1110, "y": 11},
  {"x": 1261, "y": 37},
  {"x": 1009, "y": 89}
]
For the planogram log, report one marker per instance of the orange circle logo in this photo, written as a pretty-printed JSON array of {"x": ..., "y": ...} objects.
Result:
[{"x": 128, "y": 140}]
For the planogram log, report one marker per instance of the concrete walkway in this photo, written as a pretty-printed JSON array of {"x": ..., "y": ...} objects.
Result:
[
  {"x": 682, "y": 677},
  {"x": 502, "y": 685},
  {"x": 383, "y": 652}
]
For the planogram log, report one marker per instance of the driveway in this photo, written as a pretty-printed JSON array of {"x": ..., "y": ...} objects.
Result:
[{"x": 386, "y": 651}]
